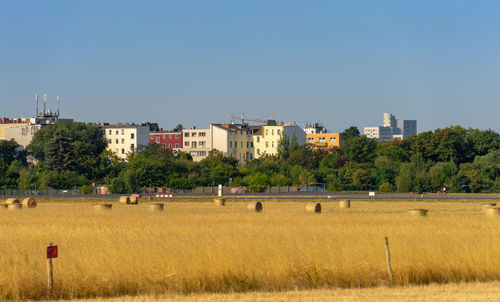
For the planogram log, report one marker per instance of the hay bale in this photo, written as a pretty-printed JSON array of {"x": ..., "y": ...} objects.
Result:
[
  {"x": 154, "y": 207},
  {"x": 313, "y": 207},
  {"x": 29, "y": 202},
  {"x": 487, "y": 205},
  {"x": 134, "y": 199},
  {"x": 103, "y": 207},
  {"x": 124, "y": 200},
  {"x": 12, "y": 201},
  {"x": 344, "y": 204},
  {"x": 3, "y": 206},
  {"x": 254, "y": 206},
  {"x": 464, "y": 200},
  {"x": 418, "y": 212},
  {"x": 14, "y": 206},
  {"x": 219, "y": 201},
  {"x": 492, "y": 212}
]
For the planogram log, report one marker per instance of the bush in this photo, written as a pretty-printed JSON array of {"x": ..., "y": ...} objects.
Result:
[
  {"x": 86, "y": 190},
  {"x": 385, "y": 187}
]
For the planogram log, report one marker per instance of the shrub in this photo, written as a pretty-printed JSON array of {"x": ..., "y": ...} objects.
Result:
[{"x": 385, "y": 187}]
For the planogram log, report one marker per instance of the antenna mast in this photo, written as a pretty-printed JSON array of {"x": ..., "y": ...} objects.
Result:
[
  {"x": 36, "y": 98},
  {"x": 44, "y": 104},
  {"x": 58, "y": 101}
]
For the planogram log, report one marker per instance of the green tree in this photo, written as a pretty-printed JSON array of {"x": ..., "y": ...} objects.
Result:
[
  {"x": 360, "y": 149},
  {"x": 406, "y": 177},
  {"x": 350, "y": 132}
]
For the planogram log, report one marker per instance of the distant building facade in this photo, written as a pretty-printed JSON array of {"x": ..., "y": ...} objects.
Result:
[
  {"x": 197, "y": 142},
  {"x": 267, "y": 138},
  {"x": 391, "y": 129},
  {"x": 325, "y": 140},
  {"x": 313, "y": 128},
  {"x": 166, "y": 139},
  {"x": 126, "y": 138}
]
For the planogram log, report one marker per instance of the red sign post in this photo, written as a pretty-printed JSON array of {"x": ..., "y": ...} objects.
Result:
[{"x": 51, "y": 253}]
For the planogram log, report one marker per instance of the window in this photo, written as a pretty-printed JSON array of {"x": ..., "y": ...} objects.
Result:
[
  {"x": 131, "y": 135},
  {"x": 132, "y": 146},
  {"x": 123, "y": 131},
  {"x": 123, "y": 141},
  {"x": 267, "y": 131},
  {"x": 176, "y": 136},
  {"x": 267, "y": 144},
  {"x": 333, "y": 139},
  {"x": 236, "y": 144},
  {"x": 157, "y": 140},
  {"x": 177, "y": 145},
  {"x": 272, "y": 132},
  {"x": 164, "y": 137},
  {"x": 272, "y": 144},
  {"x": 110, "y": 141},
  {"x": 186, "y": 144},
  {"x": 170, "y": 136},
  {"x": 251, "y": 156},
  {"x": 241, "y": 144},
  {"x": 202, "y": 134},
  {"x": 116, "y": 132},
  {"x": 109, "y": 132},
  {"x": 151, "y": 137},
  {"x": 123, "y": 151},
  {"x": 251, "y": 144},
  {"x": 186, "y": 134},
  {"x": 117, "y": 141},
  {"x": 202, "y": 143},
  {"x": 258, "y": 139},
  {"x": 258, "y": 151},
  {"x": 248, "y": 144},
  {"x": 278, "y": 144},
  {"x": 170, "y": 146},
  {"x": 164, "y": 146},
  {"x": 310, "y": 140},
  {"x": 279, "y": 131},
  {"x": 193, "y": 134},
  {"x": 230, "y": 144}
]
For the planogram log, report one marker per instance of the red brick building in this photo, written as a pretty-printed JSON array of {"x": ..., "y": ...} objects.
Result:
[{"x": 166, "y": 139}]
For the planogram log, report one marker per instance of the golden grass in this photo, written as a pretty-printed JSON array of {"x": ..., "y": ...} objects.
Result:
[{"x": 200, "y": 247}]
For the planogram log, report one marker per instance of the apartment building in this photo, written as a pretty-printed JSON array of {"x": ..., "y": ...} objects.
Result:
[
  {"x": 197, "y": 142},
  {"x": 325, "y": 140},
  {"x": 234, "y": 140},
  {"x": 126, "y": 138},
  {"x": 166, "y": 139},
  {"x": 267, "y": 138},
  {"x": 391, "y": 129}
]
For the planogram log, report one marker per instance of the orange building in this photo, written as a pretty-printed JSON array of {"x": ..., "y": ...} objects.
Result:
[{"x": 325, "y": 140}]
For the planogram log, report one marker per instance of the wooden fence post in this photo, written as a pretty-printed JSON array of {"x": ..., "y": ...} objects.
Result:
[{"x": 388, "y": 256}]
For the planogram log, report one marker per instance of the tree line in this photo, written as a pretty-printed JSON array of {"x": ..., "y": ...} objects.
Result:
[{"x": 74, "y": 155}]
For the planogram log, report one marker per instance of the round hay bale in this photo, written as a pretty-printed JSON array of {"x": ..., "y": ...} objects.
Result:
[
  {"x": 487, "y": 205},
  {"x": 254, "y": 206},
  {"x": 15, "y": 206},
  {"x": 418, "y": 212},
  {"x": 492, "y": 212},
  {"x": 29, "y": 202},
  {"x": 3, "y": 206},
  {"x": 219, "y": 201},
  {"x": 313, "y": 207},
  {"x": 124, "y": 200},
  {"x": 154, "y": 207},
  {"x": 12, "y": 201},
  {"x": 344, "y": 204},
  {"x": 134, "y": 200},
  {"x": 464, "y": 200},
  {"x": 103, "y": 207}
]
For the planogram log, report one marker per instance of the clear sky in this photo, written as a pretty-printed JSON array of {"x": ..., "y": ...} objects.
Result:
[{"x": 195, "y": 62}]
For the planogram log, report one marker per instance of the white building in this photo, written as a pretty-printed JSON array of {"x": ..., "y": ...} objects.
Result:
[
  {"x": 126, "y": 138},
  {"x": 314, "y": 128},
  {"x": 392, "y": 129},
  {"x": 197, "y": 142}
]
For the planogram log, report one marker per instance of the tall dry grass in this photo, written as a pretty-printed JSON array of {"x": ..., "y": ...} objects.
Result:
[{"x": 198, "y": 247}]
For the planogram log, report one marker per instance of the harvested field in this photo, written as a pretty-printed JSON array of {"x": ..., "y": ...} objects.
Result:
[{"x": 200, "y": 247}]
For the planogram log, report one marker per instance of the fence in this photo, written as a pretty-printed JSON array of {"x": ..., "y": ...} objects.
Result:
[
  {"x": 48, "y": 192},
  {"x": 213, "y": 190}
]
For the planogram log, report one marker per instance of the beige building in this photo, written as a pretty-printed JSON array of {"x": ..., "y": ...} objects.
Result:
[
  {"x": 126, "y": 138},
  {"x": 235, "y": 140},
  {"x": 197, "y": 142},
  {"x": 266, "y": 139}
]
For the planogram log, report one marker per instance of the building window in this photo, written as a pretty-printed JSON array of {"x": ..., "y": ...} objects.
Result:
[
  {"x": 151, "y": 137},
  {"x": 258, "y": 151},
  {"x": 235, "y": 144},
  {"x": 186, "y": 144},
  {"x": 123, "y": 131},
  {"x": 123, "y": 141},
  {"x": 251, "y": 144},
  {"x": 123, "y": 151},
  {"x": 278, "y": 144},
  {"x": 202, "y": 143},
  {"x": 176, "y": 136},
  {"x": 109, "y": 132},
  {"x": 170, "y": 146},
  {"x": 202, "y": 134},
  {"x": 177, "y": 145},
  {"x": 131, "y": 135},
  {"x": 310, "y": 140},
  {"x": 164, "y": 137},
  {"x": 230, "y": 144},
  {"x": 193, "y": 134},
  {"x": 241, "y": 144},
  {"x": 117, "y": 141},
  {"x": 272, "y": 144},
  {"x": 333, "y": 139},
  {"x": 170, "y": 137},
  {"x": 132, "y": 146},
  {"x": 258, "y": 139},
  {"x": 279, "y": 131},
  {"x": 248, "y": 144},
  {"x": 186, "y": 134},
  {"x": 164, "y": 146},
  {"x": 272, "y": 132},
  {"x": 267, "y": 131},
  {"x": 157, "y": 140},
  {"x": 116, "y": 132},
  {"x": 110, "y": 141},
  {"x": 267, "y": 144}
]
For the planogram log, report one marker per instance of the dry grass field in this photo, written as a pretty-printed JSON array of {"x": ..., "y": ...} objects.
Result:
[{"x": 201, "y": 248}]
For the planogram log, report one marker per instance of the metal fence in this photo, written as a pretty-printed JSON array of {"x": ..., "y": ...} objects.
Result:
[{"x": 41, "y": 193}]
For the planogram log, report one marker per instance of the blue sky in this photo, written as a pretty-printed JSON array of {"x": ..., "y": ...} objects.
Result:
[{"x": 340, "y": 62}]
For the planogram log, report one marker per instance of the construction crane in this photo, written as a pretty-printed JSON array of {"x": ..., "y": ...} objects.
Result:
[{"x": 243, "y": 118}]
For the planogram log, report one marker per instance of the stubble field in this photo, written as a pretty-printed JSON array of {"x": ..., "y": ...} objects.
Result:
[{"x": 197, "y": 247}]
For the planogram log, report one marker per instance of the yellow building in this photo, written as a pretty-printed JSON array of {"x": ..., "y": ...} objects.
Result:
[
  {"x": 266, "y": 139},
  {"x": 325, "y": 140}
]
